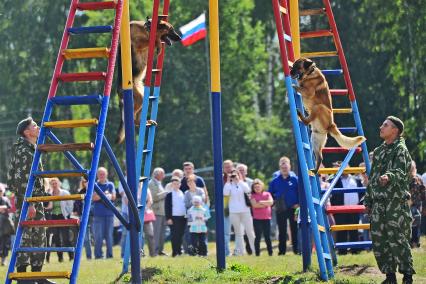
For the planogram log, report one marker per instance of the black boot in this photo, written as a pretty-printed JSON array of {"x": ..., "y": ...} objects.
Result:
[
  {"x": 407, "y": 279},
  {"x": 41, "y": 281},
  {"x": 390, "y": 279}
]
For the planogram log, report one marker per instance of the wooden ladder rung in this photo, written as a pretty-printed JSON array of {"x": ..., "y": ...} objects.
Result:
[
  {"x": 66, "y": 147},
  {"x": 39, "y": 275},
  {"x": 55, "y": 198},
  {"x": 71, "y": 123},
  {"x": 311, "y": 12}
]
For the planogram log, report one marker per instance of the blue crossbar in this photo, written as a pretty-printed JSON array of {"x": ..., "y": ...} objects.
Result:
[
  {"x": 347, "y": 130},
  {"x": 334, "y": 72},
  {"x": 46, "y": 249},
  {"x": 77, "y": 100},
  {"x": 90, "y": 30},
  {"x": 360, "y": 245},
  {"x": 346, "y": 190},
  {"x": 37, "y": 173}
]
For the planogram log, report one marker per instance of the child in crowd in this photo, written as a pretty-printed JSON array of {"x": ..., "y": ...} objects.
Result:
[
  {"x": 197, "y": 217},
  {"x": 261, "y": 202}
]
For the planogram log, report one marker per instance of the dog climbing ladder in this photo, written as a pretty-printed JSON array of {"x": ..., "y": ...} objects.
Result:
[
  {"x": 46, "y": 131},
  {"x": 287, "y": 22}
]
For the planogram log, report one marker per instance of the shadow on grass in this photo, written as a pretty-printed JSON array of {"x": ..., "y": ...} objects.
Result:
[{"x": 147, "y": 274}]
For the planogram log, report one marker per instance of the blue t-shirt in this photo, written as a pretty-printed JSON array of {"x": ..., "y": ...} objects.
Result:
[
  {"x": 99, "y": 208},
  {"x": 287, "y": 187},
  {"x": 199, "y": 182}
]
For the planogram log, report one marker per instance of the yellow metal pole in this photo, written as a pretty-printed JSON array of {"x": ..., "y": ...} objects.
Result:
[
  {"x": 295, "y": 30},
  {"x": 126, "y": 57},
  {"x": 214, "y": 46}
]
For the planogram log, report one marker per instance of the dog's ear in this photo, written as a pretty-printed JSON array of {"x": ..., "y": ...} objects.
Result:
[{"x": 308, "y": 63}]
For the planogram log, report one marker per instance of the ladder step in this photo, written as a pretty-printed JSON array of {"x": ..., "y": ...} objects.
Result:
[
  {"x": 350, "y": 227},
  {"x": 326, "y": 255},
  {"x": 71, "y": 123},
  {"x": 55, "y": 198},
  {"x": 311, "y": 12},
  {"x": 46, "y": 249},
  {"x": 80, "y": 53},
  {"x": 156, "y": 70},
  {"x": 51, "y": 223},
  {"x": 64, "y": 173},
  {"x": 306, "y": 146},
  {"x": 342, "y": 110},
  {"x": 348, "y": 170},
  {"x": 146, "y": 151},
  {"x": 333, "y": 72},
  {"x": 339, "y": 150},
  {"x": 152, "y": 97},
  {"x": 321, "y": 228},
  {"x": 162, "y": 16},
  {"x": 287, "y": 37},
  {"x": 341, "y": 209},
  {"x": 90, "y": 30},
  {"x": 319, "y": 54},
  {"x": 283, "y": 10},
  {"x": 151, "y": 122},
  {"x": 66, "y": 147},
  {"x": 338, "y": 92},
  {"x": 77, "y": 100},
  {"x": 315, "y": 200},
  {"x": 142, "y": 179},
  {"x": 96, "y": 5},
  {"x": 347, "y": 190},
  {"x": 348, "y": 130},
  {"x": 85, "y": 76},
  {"x": 39, "y": 275},
  {"x": 313, "y": 34},
  {"x": 348, "y": 245}
]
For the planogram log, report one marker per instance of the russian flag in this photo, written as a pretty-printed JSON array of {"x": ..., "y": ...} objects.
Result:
[{"x": 194, "y": 30}]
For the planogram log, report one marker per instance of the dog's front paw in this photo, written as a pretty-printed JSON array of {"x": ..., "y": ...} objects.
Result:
[{"x": 300, "y": 115}]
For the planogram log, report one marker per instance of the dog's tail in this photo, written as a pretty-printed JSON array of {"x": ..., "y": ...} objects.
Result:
[{"x": 345, "y": 141}]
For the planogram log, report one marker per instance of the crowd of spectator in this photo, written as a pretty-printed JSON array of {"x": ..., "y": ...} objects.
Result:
[{"x": 252, "y": 209}]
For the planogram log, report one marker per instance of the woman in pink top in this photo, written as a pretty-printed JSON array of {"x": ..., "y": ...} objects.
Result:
[{"x": 261, "y": 202}]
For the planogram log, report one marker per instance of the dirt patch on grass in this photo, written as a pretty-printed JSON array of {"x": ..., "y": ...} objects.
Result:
[{"x": 357, "y": 270}]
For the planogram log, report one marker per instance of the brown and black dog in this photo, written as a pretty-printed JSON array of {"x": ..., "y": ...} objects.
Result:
[
  {"x": 139, "y": 36},
  {"x": 317, "y": 100}
]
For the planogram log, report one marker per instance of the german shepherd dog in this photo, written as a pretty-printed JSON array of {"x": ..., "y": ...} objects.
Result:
[
  {"x": 139, "y": 37},
  {"x": 317, "y": 100}
]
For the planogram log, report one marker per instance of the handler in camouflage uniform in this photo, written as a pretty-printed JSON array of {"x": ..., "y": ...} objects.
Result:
[
  {"x": 17, "y": 179},
  {"x": 386, "y": 202}
]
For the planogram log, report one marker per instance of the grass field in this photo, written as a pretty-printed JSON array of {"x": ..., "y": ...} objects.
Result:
[{"x": 360, "y": 268}]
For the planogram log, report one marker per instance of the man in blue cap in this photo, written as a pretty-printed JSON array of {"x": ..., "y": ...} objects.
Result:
[{"x": 17, "y": 179}]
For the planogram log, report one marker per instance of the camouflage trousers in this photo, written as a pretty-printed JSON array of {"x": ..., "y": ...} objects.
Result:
[
  {"x": 390, "y": 233},
  {"x": 32, "y": 237}
]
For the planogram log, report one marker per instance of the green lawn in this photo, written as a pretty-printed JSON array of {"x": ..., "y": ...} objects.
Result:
[{"x": 359, "y": 268}]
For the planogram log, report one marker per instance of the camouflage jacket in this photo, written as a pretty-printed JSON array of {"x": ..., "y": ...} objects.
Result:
[
  {"x": 19, "y": 173},
  {"x": 392, "y": 160},
  {"x": 417, "y": 191}
]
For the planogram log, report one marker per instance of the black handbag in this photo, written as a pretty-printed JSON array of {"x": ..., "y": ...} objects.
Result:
[{"x": 247, "y": 199}]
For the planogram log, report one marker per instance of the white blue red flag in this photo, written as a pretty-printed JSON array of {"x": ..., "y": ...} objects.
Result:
[{"x": 194, "y": 30}]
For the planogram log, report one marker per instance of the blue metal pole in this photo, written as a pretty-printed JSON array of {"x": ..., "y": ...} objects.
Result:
[
  {"x": 361, "y": 132},
  {"x": 90, "y": 187},
  {"x": 304, "y": 224},
  {"x": 218, "y": 179},
  {"x": 132, "y": 182},
  {"x": 305, "y": 176},
  {"x": 28, "y": 192}
]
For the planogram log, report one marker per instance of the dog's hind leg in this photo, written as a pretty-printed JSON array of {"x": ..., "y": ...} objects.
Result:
[{"x": 318, "y": 141}]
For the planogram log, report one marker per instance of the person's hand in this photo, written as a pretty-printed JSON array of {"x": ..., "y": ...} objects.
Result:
[
  {"x": 31, "y": 212},
  {"x": 383, "y": 180},
  {"x": 170, "y": 222}
]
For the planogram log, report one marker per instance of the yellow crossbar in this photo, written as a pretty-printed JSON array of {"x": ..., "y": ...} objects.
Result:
[
  {"x": 321, "y": 228},
  {"x": 51, "y": 175},
  {"x": 79, "y": 53},
  {"x": 71, "y": 123},
  {"x": 56, "y": 198},
  {"x": 348, "y": 170},
  {"x": 39, "y": 275},
  {"x": 342, "y": 110},
  {"x": 319, "y": 54},
  {"x": 350, "y": 227}
]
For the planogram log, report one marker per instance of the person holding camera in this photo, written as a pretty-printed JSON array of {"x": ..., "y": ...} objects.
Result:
[{"x": 239, "y": 210}]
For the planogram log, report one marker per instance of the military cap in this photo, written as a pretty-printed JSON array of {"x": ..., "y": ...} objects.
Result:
[
  {"x": 398, "y": 123},
  {"x": 22, "y": 125}
]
